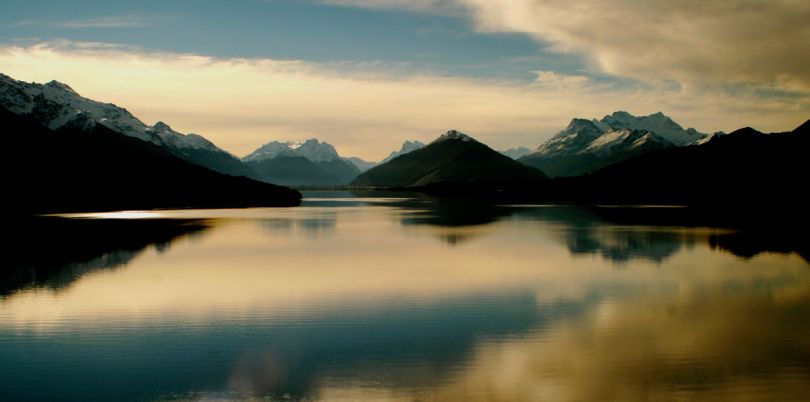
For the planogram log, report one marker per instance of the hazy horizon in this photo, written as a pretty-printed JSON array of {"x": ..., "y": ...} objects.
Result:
[{"x": 367, "y": 75}]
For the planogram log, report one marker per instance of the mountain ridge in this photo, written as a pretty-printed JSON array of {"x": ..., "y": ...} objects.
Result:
[
  {"x": 56, "y": 104},
  {"x": 586, "y": 145},
  {"x": 453, "y": 157}
]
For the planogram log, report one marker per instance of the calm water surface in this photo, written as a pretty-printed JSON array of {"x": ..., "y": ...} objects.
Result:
[{"x": 380, "y": 298}]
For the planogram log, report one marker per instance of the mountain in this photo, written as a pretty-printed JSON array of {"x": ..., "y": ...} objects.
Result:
[
  {"x": 658, "y": 123},
  {"x": 86, "y": 166},
  {"x": 743, "y": 168},
  {"x": 453, "y": 158},
  {"x": 55, "y": 105},
  {"x": 516, "y": 153},
  {"x": 360, "y": 164},
  {"x": 407, "y": 146},
  {"x": 198, "y": 150},
  {"x": 588, "y": 145},
  {"x": 310, "y": 163}
]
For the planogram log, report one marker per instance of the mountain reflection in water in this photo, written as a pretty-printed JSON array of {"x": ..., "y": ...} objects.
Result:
[{"x": 376, "y": 297}]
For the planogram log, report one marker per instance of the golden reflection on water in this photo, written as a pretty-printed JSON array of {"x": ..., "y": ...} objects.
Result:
[{"x": 672, "y": 319}]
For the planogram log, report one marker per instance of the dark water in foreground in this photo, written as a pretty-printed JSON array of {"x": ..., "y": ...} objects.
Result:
[{"x": 401, "y": 299}]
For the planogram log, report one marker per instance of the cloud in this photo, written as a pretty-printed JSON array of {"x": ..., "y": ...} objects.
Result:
[
  {"x": 364, "y": 109},
  {"x": 444, "y": 7},
  {"x": 693, "y": 41},
  {"x": 699, "y": 43},
  {"x": 554, "y": 79},
  {"x": 113, "y": 21}
]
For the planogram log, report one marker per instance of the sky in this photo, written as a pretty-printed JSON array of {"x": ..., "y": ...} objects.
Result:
[{"x": 365, "y": 75}]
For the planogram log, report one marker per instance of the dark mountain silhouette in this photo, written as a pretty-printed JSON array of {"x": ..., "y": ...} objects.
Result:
[
  {"x": 87, "y": 166},
  {"x": 454, "y": 158}
]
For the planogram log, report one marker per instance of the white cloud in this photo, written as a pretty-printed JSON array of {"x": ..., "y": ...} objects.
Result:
[
  {"x": 554, "y": 79},
  {"x": 365, "y": 110}
]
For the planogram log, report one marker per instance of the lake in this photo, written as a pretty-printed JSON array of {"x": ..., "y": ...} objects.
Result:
[{"x": 390, "y": 296}]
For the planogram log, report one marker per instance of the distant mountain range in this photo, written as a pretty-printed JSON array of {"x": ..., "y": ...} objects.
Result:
[
  {"x": 588, "y": 145},
  {"x": 310, "y": 163},
  {"x": 453, "y": 158},
  {"x": 360, "y": 164},
  {"x": 517, "y": 153}
]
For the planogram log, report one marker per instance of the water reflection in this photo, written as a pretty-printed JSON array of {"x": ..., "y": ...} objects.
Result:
[
  {"x": 666, "y": 348},
  {"x": 317, "y": 226},
  {"x": 354, "y": 298},
  {"x": 53, "y": 252}
]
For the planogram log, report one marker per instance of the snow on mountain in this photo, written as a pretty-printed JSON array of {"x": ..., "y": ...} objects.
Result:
[
  {"x": 407, "y": 147},
  {"x": 622, "y": 140},
  {"x": 602, "y": 136},
  {"x": 711, "y": 136},
  {"x": 517, "y": 152},
  {"x": 181, "y": 141},
  {"x": 269, "y": 151},
  {"x": 574, "y": 138},
  {"x": 658, "y": 123},
  {"x": 453, "y": 135},
  {"x": 316, "y": 151},
  {"x": 311, "y": 149},
  {"x": 56, "y": 104},
  {"x": 587, "y": 145}
]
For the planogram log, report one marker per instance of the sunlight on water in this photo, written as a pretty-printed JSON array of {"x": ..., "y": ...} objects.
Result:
[
  {"x": 384, "y": 298},
  {"x": 113, "y": 215}
]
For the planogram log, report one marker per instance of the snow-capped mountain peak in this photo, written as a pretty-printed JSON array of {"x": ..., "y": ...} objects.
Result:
[
  {"x": 269, "y": 151},
  {"x": 180, "y": 141},
  {"x": 621, "y": 140},
  {"x": 453, "y": 135},
  {"x": 56, "y": 104},
  {"x": 312, "y": 149},
  {"x": 575, "y": 137},
  {"x": 60, "y": 86},
  {"x": 586, "y": 145},
  {"x": 583, "y": 126},
  {"x": 658, "y": 123},
  {"x": 317, "y": 151}
]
